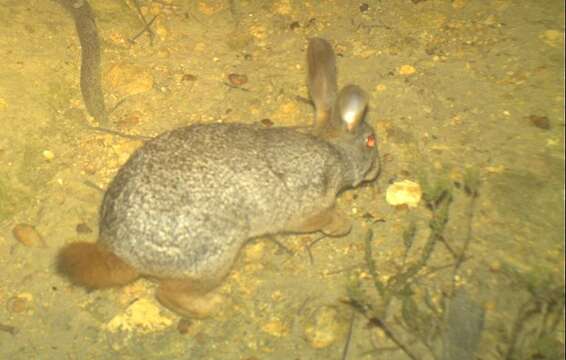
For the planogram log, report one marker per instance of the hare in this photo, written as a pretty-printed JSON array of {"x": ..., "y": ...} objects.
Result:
[{"x": 183, "y": 205}]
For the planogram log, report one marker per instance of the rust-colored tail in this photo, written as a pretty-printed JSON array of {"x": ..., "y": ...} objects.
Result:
[{"x": 92, "y": 266}]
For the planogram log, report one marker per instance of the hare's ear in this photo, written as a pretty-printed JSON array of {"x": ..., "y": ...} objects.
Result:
[
  {"x": 322, "y": 79},
  {"x": 351, "y": 107}
]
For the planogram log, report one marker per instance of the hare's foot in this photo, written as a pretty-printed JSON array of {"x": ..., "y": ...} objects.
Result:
[
  {"x": 331, "y": 222},
  {"x": 181, "y": 297},
  {"x": 338, "y": 224}
]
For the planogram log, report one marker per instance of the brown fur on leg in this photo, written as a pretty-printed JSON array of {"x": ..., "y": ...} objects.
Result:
[
  {"x": 92, "y": 266},
  {"x": 188, "y": 298}
]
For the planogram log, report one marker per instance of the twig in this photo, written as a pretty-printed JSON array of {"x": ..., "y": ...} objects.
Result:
[
  {"x": 304, "y": 304},
  {"x": 371, "y": 264},
  {"x": 235, "y": 87},
  {"x": 378, "y": 350},
  {"x": 146, "y": 25},
  {"x": 93, "y": 185},
  {"x": 377, "y": 322},
  {"x": 418, "y": 337},
  {"x": 349, "y": 337},
  {"x": 235, "y": 10},
  {"x": 433, "y": 269},
  {"x": 440, "y": 210},
  {"x": 448, "y": 247},
  {"x": 118, "y": 133},
  {"x": 524, "y": 314},
  {"x": 310, "y": 245},
  {"x": 347, "y": 268},
  {"x": 119, "y": 103},
  {"x": 368, "y": 312},
  {"x": 304, "y": 100},
  {"x": 468, "y": 239},
  {"x": 278, "y": 243},
  {"x": 146, "y": 28},
  {"x": 12, "y": 330}
]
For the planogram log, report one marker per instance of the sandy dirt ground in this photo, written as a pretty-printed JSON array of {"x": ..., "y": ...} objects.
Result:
[{"x": 460, "y": 91}]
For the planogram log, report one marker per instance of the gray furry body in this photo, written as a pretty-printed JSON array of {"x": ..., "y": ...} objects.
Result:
[{"x": 185, "y": 202}]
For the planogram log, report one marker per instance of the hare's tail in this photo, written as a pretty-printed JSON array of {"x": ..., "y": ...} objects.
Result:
[{"x": 92, "y": 266}]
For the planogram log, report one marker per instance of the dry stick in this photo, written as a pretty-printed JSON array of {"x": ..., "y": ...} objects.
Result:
[
  {"x": 377, "y": 322},
  {"x": 310, "y": 245},
  {"x": 433, "y": 269},
  {"x": 118, "y": 133},
  {"x": 371, "y": 265},
  {"x": 235, "y": 87},
  {"x": 146, "y": 25},
  {"x": 235, "y": 10},
  {"x": 347, "y": 268},
  {"x": 437, "y": 225},
  {"x": 280, "y": 244},
  {"x": 93, "y": 186},
  {"x": 546, "y": 310},
  {"x": 304, "y": 100},
  {"x": 557, "y": 319},
  {"x": 462, "y": 254},
  {"x": 349, "y": 338},
  {"x": 146, "y": 28},
  {"x": 91, "y": 87},
  {"x": 448, "y": 247},
  {"x": 417, "y": 337},
  {"x": 524, "y": 315},
  {"x": 9, "y": 329}
]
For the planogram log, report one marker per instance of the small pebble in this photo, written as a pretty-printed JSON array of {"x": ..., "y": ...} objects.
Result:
[
  {"x": 553, "y": 38},
  {"x": 490, "y": 306},
  {"x": 407, "y": 70},
  {"x": 294, "y": 25},
  {"x": 380, "y": 87},
  {"x": 459, "y": 4},
  {"x": 143, "y": 316},
  {"x": 276, "y": 328},
  {"x": 237, "y": 79},
  {"x": 28, "y": 235},
  {"x": 130, "y": 120},
  {"x": 161, "y": 29},
  {"x": 255, "y": 252},
  {"x": 19, "y": 303},
  {"x": 163, "y": 53},
  {"x": 364, "y": 7},
  {"x": 48, "y": 155},
  {"x": 189, "y": 77},
  {"x": 495, "y": 266},
  {"x": 128, "y": 79},
  {"x": 83, "y": 228},
  {"x": 266, "y": 122},
  {"x": 324, "y": 327},
  {"x": 184, "y": 325},
  {"x": 541, "y": 122}
]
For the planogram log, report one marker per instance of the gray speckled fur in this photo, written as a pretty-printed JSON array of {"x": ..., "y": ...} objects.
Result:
[{"x": 185, "y": 202}]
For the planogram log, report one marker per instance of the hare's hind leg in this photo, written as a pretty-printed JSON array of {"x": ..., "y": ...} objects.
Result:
[
  {"x": 330, "y": 222},
  {"x": 188, "y": 298}
]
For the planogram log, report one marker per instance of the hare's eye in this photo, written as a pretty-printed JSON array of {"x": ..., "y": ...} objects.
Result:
[{"x": 370, "y": 141}]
